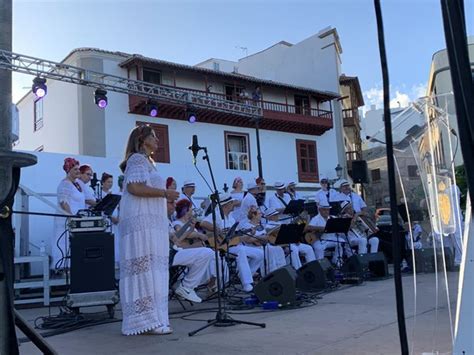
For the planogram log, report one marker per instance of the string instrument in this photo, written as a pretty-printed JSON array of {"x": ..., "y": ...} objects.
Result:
[
  {"x": 272, "y": 233},
  {"x": 366, "y": 224},
  {"x": 232, "y": 242},
  {"x": 190, "y": 242}
]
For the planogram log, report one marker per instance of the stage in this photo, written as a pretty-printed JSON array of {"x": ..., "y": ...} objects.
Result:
[{"x": 352, "y": 320}]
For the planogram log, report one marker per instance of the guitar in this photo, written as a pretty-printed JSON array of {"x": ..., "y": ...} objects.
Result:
[{"x": 189, "y": 242}]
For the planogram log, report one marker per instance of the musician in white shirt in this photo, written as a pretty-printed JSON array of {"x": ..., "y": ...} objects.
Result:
[
  {"x": 326, "y": 195},
  {"x": 249, "y": 259},
  {"x": 325, "y": 240},
  {"x": 187, "y": 191},
  {"x": 291, "y": 191},
  {"x": 279, "y": 200},
  {"x": 346, "y": 194},
  {"x": 356, "y": 236},
  {"x": 249, "y": 200}
]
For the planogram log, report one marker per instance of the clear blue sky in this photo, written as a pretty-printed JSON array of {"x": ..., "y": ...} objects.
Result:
[{"x": 194, "y": 30}]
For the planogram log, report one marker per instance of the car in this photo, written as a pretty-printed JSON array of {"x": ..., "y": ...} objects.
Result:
[
  {"x": 386, "y": 220},
  {"x": 381, "y": 212}
]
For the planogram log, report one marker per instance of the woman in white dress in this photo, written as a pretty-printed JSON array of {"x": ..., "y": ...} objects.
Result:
[
  {"x": 71, "y": 199},
  {"x": 144, "y": 245}
]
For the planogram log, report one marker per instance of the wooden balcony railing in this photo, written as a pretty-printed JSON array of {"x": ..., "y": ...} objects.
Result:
[
  {"x": 265, "y": 105},
  {"x": 353, "y": 155},
  {"x": 350, "y": 117}
]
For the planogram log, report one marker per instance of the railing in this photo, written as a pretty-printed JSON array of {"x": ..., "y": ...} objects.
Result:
[
  {"x": 266, "y": 105},
  {"x": 350, "y": 117},
  {"x": 353, "y": 155}
]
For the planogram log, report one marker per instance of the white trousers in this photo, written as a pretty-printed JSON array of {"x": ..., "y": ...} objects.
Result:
[
  {"x": 198, "y": 261},
  {"x": 211, "y": 270},
  {"x": 275, "y": 258},
  {"x": 361, "y": 243},
  {"x": 301, "y": 249},
  {"x": 321, "y": 245},
  {"x": 249, "y": 260}
]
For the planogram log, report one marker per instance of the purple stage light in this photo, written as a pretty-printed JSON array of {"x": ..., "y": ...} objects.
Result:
[
  {"x": 39, "y": 87},
  {"x": 100, "y": 98},
  {"x": 102, "y": 103},
  {"x": 154, "y": 112},
  {"x": 192, "y": 118}
]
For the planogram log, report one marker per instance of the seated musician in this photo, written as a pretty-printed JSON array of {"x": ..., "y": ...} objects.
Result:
[
  {"x": 358, "y": 234},
  {"x": 184, "y": 217},
  {"x": 198, "y": 261},
  {"x": 249, "y": 199},
  {"x": 296, "y": 249},
  {"x": 416, "y": 234},
  {"x": 321, "y": 240},
  {"x": 291, "y": 191},
  {"x": 256, "y": 236},
  {"x": 249, "y": 259},
  {"x": 279, "y": 200},
  {"x": 346, "y": 194}
]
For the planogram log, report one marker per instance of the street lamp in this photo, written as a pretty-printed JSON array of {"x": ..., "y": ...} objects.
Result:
[{"x": 338, "y": 171}]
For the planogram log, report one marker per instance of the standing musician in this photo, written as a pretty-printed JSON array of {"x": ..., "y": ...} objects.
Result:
[
  {"x": 200, "y": 261},
  {"x": 326, "y": 195},
  {"x": 249, "y": 259},
  {"x": 291, "y": 191},
  {"x": 249, "y": 200},
  {"x": 296, "y": 249},
  {"x": 357, "y": 235},
  {"x": 257, "y": 237},
  {"x": 346, "y": 194},
  {"x": 322, "y": 240}
]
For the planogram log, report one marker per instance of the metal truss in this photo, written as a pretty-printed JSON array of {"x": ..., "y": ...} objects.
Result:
[{"x": 67, "y": 73}]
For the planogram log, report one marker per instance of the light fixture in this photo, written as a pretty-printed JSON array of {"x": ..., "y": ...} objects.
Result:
[
  {"x": 152, "y": 108},
  {"x": 191, "y": 115},
  {"x": 39, "y": 87},
  {"x": 338, "y": 171},
  {"x": 100, "y": 98}
]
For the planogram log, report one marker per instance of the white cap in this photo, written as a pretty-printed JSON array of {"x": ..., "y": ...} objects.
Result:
[
  {"x": 279, "y": 185},
  {"x": 323, "y": 177},
  {"x": 344, "y": 182},
  {"x": 344, "y": 204},
  {"x": 225, "y": 198},
  {"x": 291, "y": 183},
  {"x": 252, "y": 185},
  {"x": 324, "y": 205},
  {"x": 189, "y": 183}
]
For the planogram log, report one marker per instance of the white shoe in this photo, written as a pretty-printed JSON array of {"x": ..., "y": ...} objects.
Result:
[
  {"x": 247, "y": 288},
  {"x": 159, "y": 331},
  {"x": 188, "y": 294}
]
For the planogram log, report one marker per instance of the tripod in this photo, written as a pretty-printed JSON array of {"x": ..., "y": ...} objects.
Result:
[{"x": 222, "y": 319}]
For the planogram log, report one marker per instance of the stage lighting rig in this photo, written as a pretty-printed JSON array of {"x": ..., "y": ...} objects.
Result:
[
  {"x": 191, "y": 115},
  {"x": 100, "y": 98},
  {"x": 152, "y": 109},
  {"x": 39, "y": 87}
]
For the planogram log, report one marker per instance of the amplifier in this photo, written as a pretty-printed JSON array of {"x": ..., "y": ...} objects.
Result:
[{"x": 87, "y": 224}]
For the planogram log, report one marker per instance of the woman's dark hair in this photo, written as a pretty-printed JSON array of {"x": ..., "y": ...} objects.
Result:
[{"x": 105, "y": 177}]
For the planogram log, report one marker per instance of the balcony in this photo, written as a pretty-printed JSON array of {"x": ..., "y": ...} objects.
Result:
[
  {"x": 276, "y": 116},
  {"x": 350, "y": 117}
]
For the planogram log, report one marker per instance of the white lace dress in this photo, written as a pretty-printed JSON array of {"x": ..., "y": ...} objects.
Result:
[{"x": 144, "y": 252}]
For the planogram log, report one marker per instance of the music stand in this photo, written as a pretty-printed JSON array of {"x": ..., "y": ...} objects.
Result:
[
  {"x": 294, "y": 207},
  {"x": 335, "y": 208},
  {"x": 340, "y": 226},
  {"x": 311, "y": 208},
  {"x": 108, "y": 204},
  {"x": 290, "y": 233}
]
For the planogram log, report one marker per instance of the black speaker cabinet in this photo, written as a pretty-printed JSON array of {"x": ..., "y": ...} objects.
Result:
[
  {"x": 360, "y": 172},
  {"x": 280, "y": 286},
  {"x": 92, "y": 262},
  {"x": 315, "y": 275},
  {"x": 425, "y": 260},
  {"x": 365, "y": 266}
]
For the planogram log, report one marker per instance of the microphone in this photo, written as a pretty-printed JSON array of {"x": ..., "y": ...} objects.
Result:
[
  {"x": 195, "y": 148},
  {"x": 94, "y": 181}
]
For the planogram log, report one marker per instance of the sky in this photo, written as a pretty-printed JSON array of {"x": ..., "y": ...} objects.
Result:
[{"x": 190, "y": 31}]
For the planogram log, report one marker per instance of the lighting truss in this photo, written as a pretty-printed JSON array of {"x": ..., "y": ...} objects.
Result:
[{"x": 67, "y": 73}]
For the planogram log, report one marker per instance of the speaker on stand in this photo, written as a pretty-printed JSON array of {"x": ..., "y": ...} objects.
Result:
[{"x": 359, "y": 172}]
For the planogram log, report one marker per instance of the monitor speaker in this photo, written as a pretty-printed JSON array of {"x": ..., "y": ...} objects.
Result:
[
  {"x": 425, "y": 260},
  {"x": 366, "y": 266},
  {"x": 279, "y": 285},
  {"x": 92, "y": 262},
  {"x": 359, "y": 172},
  {"x": 315, "y": 275}
]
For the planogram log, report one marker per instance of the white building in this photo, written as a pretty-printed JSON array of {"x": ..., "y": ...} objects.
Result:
[{"x": 301, "y": 132}]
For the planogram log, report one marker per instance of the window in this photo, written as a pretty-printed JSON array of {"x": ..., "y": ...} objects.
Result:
[
  {"x": 302, "y": 105},
  {"x": 38, "y": 120},
  {"x": 152, "y": 76},
  {"x": 216, "y": 66},
  {"x": 307, "y": 161},
  {"x": 232, "y": 93},
  {"x": 412, "y": 171},
  {"x": 375, "y": 173},
  {"x": 161, "y": 131},
  {"x": 237, "y": 151}
]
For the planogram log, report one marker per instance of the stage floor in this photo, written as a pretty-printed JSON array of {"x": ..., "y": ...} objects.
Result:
[{"x": 352, "y": 320}]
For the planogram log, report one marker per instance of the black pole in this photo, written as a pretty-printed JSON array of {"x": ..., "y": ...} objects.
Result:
[
  {"x": 462, "y": 81},
  {"x": 259, "y": 157},
  {"x": 391, "y": 183}
]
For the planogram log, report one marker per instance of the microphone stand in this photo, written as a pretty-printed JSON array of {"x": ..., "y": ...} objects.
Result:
[{"x": 222, "y": 319}]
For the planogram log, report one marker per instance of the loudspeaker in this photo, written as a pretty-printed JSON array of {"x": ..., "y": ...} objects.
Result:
[
  {"x": 315, "y": 275},
  {"x": 92, "y": 262},
  {"x": 366, "y": 266},
  {"x": 279, "y": 285},
  {"x": 360, "y": 172},
  {"x": 425, "y": 260}
]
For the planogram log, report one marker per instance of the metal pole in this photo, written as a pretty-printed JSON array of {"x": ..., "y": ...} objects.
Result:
[{"x": 259, "y": 157}]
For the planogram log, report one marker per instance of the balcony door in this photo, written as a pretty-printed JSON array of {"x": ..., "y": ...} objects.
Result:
[{"x": 302, "y": 106}]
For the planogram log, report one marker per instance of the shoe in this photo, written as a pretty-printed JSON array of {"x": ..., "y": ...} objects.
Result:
[
  {"x": 247, "y": 288},
  {"x": 159, "y": 331},
  {"x": 188, "y": 294}
]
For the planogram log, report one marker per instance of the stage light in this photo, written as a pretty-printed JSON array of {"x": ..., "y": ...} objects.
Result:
[
  {"x": 100, "y": 98},
  {"x": 39, "y": 87},
  {"x": 152, "y": 109},
  {"x": 191, "y": 116}
]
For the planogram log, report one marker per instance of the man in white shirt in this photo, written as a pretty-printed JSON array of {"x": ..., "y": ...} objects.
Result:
[
  {"x": 326, "y": 240},
  {"x": 279, "y": 200},
  {"x": 346, "y": 194},
  {"x": 326, "y": 195},
  {"x": 249, "y": 259},
  {"x": 249, "y": 200},
  {"x": 291, "y": 191}
]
